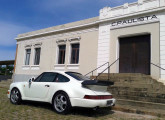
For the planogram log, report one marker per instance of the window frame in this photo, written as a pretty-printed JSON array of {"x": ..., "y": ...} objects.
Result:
[
  {"x": 54, "y": 81},
  {"x": 38, "y": 77},
  {"x": 58, "y": 54},
  {"x": 61, "y": 75},
  {"x": 75, "y": 76},
  {"x": 35, "y": 56},
  {"x": 25, "y": 58},
  {"x": 71, "y": 49},
  {"x": 41, "y": 75}
]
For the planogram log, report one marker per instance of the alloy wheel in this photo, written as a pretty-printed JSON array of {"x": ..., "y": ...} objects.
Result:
[
  {"x": 60, "y": 103},
  {"x": 15, "y": 96}
]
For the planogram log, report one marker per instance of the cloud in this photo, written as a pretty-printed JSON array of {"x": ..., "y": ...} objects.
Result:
[{"x": 8, "y": 33}]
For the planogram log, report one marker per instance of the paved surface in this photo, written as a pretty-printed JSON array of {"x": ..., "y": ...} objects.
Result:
[{"x": 140, "y": 110}]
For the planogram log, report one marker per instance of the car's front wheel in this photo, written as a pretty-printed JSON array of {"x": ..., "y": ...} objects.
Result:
[
  {"x": 15, "y": 96},
  {"x": 61, "y": 103}
]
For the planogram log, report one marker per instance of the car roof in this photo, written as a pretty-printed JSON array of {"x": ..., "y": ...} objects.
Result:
[
  {"x": 62, "y": 72},
  {"x": 56, "y": 71}
]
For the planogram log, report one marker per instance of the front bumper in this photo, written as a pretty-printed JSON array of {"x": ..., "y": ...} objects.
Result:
[{"x": 88, "y": 103}]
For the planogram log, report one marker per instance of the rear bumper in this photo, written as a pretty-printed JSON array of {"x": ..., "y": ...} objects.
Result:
[{"x": 77, "y": 102}]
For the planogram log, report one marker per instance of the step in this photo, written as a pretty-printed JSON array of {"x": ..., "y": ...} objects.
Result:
[
  {"x": 138, "y": 94},
  {"x": 149, "y": 105},
  {"x": 135, "y": 87},
  {"x": 150, "y": 87},
  {"x": 138, "y": 87},
  {"x": 126, "y": 93},
  {"x": 132, "y": 85},
  {"x": 144, "y": 81},
  {"x": 128, "y": 89},
  {"x": 140, "y": 107},
  {"x": 140, "y": 110},
  {"x": 118, "y": 88},
  {"x": 125, "y": 75},
  {"x": 130, "y": 79},
  {"x": 138, "y": 98}
]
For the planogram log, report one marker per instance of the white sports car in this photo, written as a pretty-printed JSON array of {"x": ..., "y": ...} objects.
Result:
[{"x": 63, "y": 90}]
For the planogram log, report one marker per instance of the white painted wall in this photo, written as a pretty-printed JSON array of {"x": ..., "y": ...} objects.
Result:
[
  {"x": 103, "y": 46},
  {"x": 162, "y": 44},
  {"x": 140, "y": 8}
]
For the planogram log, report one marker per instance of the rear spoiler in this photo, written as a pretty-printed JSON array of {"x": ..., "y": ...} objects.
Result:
[{"x": 97, "y": 82}]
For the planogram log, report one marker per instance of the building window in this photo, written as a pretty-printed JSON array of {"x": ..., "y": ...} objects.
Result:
[
  {"x": 27, "y": 59},
  {"x": 61, "y": 55},
  {"x": 37, "y": 56},
  {"x": 75, "y": 53}
]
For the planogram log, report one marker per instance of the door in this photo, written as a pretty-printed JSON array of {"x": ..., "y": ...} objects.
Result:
[
  {"x": 40, "y": 87},
  {"x": 135, "y": 54}
]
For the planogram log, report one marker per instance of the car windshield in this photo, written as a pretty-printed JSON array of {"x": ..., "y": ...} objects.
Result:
[{"x": 77, "y": 76}]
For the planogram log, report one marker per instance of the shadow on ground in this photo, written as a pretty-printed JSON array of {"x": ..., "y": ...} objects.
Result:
[
  {"x": 92, "y": 113},
  {"x": 75, "y": 111}
]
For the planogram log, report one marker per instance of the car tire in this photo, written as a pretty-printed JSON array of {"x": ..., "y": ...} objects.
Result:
[
  {"x": 15, "y": 96},
  {"x": 61, "y": 103}
]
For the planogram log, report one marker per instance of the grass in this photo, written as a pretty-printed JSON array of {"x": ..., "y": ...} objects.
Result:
[{"x": 40, "y": 111}]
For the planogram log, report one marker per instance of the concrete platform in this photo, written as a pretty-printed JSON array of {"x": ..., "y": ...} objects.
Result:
[{"x": 140, "y": 107}]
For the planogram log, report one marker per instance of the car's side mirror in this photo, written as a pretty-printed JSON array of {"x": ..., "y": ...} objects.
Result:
[{"x": 31, "y": 80}]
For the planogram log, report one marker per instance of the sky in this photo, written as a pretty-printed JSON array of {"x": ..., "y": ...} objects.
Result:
[{"x": 20, "y": 16}]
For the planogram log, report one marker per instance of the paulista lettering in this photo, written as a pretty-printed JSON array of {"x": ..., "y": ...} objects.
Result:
[{"x": 123, "y": 22}]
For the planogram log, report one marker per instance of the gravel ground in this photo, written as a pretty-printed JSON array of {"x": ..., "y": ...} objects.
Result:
[{"x": 40, "y": 111}]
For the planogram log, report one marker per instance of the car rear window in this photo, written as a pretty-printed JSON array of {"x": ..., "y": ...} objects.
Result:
[
  {"x": 61, "y": 78},
  {"x": 77, "y": 76}
]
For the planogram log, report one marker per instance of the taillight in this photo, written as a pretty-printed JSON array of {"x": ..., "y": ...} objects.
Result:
[
  {"x": 8, "y": 92},
  {"x": 99, "y": 97}
]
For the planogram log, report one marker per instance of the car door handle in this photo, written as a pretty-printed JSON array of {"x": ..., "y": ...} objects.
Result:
[{"x": 47, "y": 86}]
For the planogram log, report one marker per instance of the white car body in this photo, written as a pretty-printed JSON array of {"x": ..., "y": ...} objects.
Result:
[{"x": 44, "y": 92}]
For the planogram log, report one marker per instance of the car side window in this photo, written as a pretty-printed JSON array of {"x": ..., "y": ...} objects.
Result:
[
  {"x": 38, "y": 78},
  {"x": 48, "y": 77},
  {"x": 61, "y": 78}
]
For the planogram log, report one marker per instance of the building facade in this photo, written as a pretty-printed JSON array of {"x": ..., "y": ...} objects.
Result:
[{"x": 133, "y": 34}]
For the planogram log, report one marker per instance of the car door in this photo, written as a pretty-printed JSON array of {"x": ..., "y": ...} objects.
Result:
[
  {"x": 40, "y": 87},
  {"x": 59, "y": 83}
]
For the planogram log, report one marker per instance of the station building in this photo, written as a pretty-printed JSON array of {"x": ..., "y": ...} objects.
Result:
[{"x": 133, "y": 34}]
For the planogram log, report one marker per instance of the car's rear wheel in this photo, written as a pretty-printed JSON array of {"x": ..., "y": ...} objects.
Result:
[
  {"x": 61, "y": 103},
  {"x": 15, "y": 96}
]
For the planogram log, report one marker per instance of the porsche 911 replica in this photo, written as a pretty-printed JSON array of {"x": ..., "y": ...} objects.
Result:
[{"x": 63, "y": 90}]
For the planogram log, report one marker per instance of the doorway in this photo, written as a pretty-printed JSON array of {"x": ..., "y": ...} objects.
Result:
[{"x": 134, "y": 54}]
